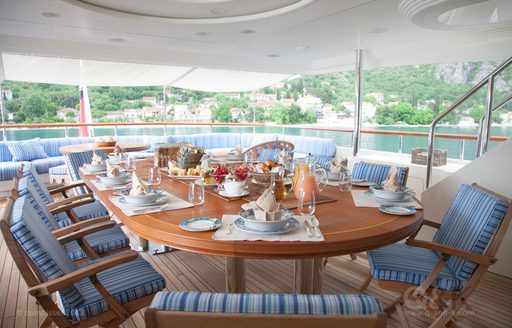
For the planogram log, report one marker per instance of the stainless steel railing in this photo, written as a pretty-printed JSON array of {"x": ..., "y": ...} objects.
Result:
[{"x": 484, "y": 131}]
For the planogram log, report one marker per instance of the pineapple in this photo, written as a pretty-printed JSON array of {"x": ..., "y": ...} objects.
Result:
[{"x": 183, "y": 156}]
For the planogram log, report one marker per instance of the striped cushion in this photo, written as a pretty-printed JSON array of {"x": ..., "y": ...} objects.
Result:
[
  {"x": 217, "y": 140},
  {"x": 266, "y": 303},
  {"x": 43, "y": 165},
  {"x": 59, "y": 170},
  {"x": 323, "y": 160},
  {"x": 376, "y": 173},
  {"x": 29, "y": 171},
  {"x": 25, "y": 188},
  {"x": 26, "y": 150},
  {"x": 51, "y": 145},
  {"x": 125, "y": 282},
  {"x": 272, "y": 154},
  {"x": 75, "y": 160},
  {"x": 8, "y": 170},
  {"x": 101, "y": 242},
  {"x": 311, "y": 145},
  {"x": 5, "y": 154},
  {"x": 48, "y": 255},
  {"x": 401, "y": 262},
  {"x": 470, "y": 225}
]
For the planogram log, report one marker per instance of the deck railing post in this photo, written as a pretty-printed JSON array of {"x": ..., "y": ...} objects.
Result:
[
  {"x": 486, "y": 127},
  {"x": 400, "y": 143},
  {"x": 115, "y": 130},
  {"x": 66, "y": 133},
  {"x": 357, "y": 110},
  {"x": 462, "y": 148}
]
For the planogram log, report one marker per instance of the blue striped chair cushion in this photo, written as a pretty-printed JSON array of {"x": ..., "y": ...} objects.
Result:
[
  {"x": 125, "y": 282},
  {"x": 266, "y": 303},
  {"x": 8, "y": 170},
  {"x": 75, "y": 160},
  {"x": 470, "y": 225},
  {"x": 26, "y": 150},
  {"x": 401, "y": 262},
  {"x": 59, "y": 170},
  {"x": 323, "y": 160},
  {"x": 43, "y": 165},
  {"x": 101, "y": 242},
  {"x": 29, "y": 172},
  {"x": 48, "y": 255},
  {"x": 91, "y": 210},
  {"x": 376, "y": 173},
  {"x": 272, "y": 154},
  {"x": 26, "y": 188}
]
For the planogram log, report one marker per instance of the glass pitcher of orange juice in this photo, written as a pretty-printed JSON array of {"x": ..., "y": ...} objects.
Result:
[{"x": 309, "y": 177}]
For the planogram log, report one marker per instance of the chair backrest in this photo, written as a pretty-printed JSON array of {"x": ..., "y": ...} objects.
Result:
[
  {"x": 29, "y": 171},
  {"x": 270, "y": 150},
  {"x": 377, "y": 173},
  {"x": 75, "y": 160},
  {"x": 37, "y": 243},
  {"x": 193, "y": 309},
  {"x": 471, "y": 224}
]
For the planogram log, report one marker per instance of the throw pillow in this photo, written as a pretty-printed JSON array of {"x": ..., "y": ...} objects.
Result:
[{"x": 27, "y": 150}]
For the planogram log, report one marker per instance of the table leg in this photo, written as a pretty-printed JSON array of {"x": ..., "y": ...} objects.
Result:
[
  {"x": 143, "y": 244},
  {"x": 235, "y": 275},
  {"x": 308, "y": 276}
]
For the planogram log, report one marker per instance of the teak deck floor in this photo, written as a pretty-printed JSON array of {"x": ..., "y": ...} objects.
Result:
[{"x": 490, "y": 305}]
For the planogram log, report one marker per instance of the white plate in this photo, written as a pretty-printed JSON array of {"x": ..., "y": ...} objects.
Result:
[
  {"x": 370, "y": 194},
  {"x": 362, "y": 183},
  {"x": 129, "y": 180},
  {"x": 397, "y": 210},
  {"x": 290, "y": 226},
  {"x": 243, "y": 193},
  {"x": 160, "y": 200},
  {"x": 200, "y": 224},
  {"x": 201, "y": 183}
]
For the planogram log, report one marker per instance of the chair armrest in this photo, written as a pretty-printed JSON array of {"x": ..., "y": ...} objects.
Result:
[
  {"x": 64, "y": 239},
  {"x": 68, "y": 200},
  {"x": 79, "y": 225},
  {"x": 69, "y": 207},
  {"x": 52, "y": 286},
  {"x": 71, "y": 185},
  {"x": 476, "y": 258},
  {"x": 431, "y": 223}
]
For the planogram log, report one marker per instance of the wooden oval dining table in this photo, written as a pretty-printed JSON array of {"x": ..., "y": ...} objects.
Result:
[{"x": 347, "y": 229}]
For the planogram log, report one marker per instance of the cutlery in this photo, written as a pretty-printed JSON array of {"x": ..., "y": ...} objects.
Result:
[
  {"x": 313, "y": 222},
  {"x": 308, "y": 229},
  {"x": 228, "y": 228},
  {"x": 150, "y": 209}
]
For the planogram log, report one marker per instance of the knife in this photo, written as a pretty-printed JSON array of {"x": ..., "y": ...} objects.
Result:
[{"x": 150, "y": 209}]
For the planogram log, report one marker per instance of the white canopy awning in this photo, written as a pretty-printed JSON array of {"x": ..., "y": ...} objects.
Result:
[{"x": 55, "y": 70}]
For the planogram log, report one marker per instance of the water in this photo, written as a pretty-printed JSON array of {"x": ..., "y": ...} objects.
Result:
[{"x": 368, "y": 141}]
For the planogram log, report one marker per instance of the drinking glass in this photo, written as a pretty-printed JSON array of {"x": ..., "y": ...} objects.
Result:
[
  {"x": 196, "y": 193},
  {"x": 130, "y": 164},
  {"x": 307, "y": 203},
  {"x": 345, "y": 182},
  {"x": 155, "y": 176}
]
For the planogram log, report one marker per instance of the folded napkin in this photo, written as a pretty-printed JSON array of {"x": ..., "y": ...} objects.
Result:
[
  {"x": 117, "y": 150},
  {"x": 96, "y": 159},
  {"x": 139, "y": 188},
  {"x": 391, "y": 182},
  {"x": 284, "y": 157},
  {"x": 112, "y": 171},
  {"x": 265, "y": 207},
  {"x": 237, "y": 150},
  {"x": 336, "y": 165}
]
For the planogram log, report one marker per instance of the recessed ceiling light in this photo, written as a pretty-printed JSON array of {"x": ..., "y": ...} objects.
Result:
[
  {"x": 218, "y": 11},
  {"x": 203, "y": 33},
  {"x": 376, "y": 29},
  {"x": 118, "y": 40},
  {"x": 273, "y": 55},
  {"x": 48, "y": 14},
  {"x": 303, "y": 48},
  {"x": 247, "y": 31}
]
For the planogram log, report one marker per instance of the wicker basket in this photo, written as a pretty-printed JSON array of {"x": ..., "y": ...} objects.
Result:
[
  {"x": 420, "y": 156},
  {"x": 165, "y": 152},
  {"x": 264, "y": 179}
]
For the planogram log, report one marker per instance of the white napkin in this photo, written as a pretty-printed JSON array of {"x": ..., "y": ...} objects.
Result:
[
  {"x": 336, "y": 165},
  {"x": 265, "y": 207},
  {"x": 284, "y": 158},
  {"x": 112, "y": 171},
  {"x": 96, "y": 159},
  {"x": 139, "y": 188},
  {"x": 237, "y": 150},
  {"x": 391, "y": 182},
  {"x": 117, "y": 150}
]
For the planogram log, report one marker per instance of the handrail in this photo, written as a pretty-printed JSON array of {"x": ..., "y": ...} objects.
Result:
[
  {"x": 496, "y": 107},
  {"x": 472, "y": 91}
]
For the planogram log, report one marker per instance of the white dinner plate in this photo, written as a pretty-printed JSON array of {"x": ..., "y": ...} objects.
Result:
[
  {"x": 362, "y": 183},
  {"x": 290, "y": 226},
  {"x": 397, "y": 210},
  {"x": 370, "y": 194},
  {"x": 243, "y": 193},
  {"x": 160, "y": 200},
  {"x": 200, "y": 224}
]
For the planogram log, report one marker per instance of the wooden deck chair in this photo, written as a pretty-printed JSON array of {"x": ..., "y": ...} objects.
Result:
[
  {"x": 84, "y": 207},
  {"x": 269, "y": 150},
  {"x": 86, "y": 239},
  {"x": 441, "y": 275},
  {"x": 101, "y": 292},
  {"x": 377, "y": 173},
  {"x": 198, "y": 310}
]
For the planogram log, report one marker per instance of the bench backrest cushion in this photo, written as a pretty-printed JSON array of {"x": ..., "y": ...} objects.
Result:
[
  {"x": 252, "y": 139},
  {"x": 470, "y": 224},
  {"x": 216, "y": 140},
  {"x": 43, "y": 249},
  {"x": 311, "y": 145},
  {"x": 51, "y": 146},
  {"x": 5, "y": 154},
  {"x": 26, "y": 150}
]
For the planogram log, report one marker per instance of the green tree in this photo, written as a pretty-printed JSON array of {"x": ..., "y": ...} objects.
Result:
[{"x": 221, "y": 113}]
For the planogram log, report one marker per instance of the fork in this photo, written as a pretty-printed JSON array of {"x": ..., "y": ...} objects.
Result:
[
  {"x": 228, "y": 228},
  {"x": 308, "y": 229}
]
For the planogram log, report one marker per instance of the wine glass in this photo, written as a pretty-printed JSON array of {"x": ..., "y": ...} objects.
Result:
[
  {"x": 155, "y": 176},
  {"x": 307, "y": 202},
  {"x": 345, "y": 182},
  {"x": 131, "y": 166},
  {"x": 196, "y": 193}
]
